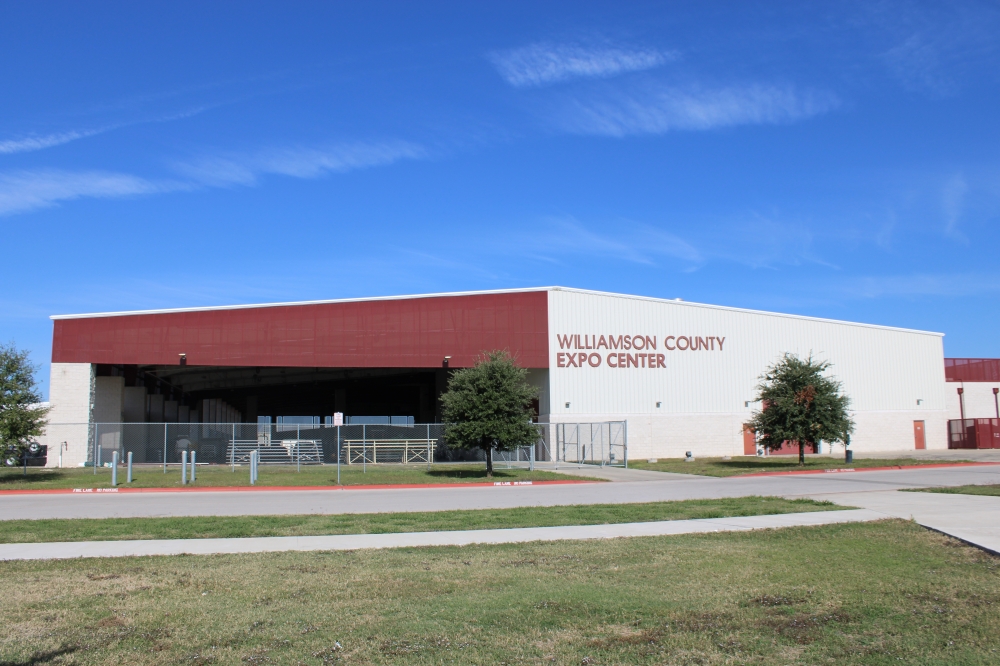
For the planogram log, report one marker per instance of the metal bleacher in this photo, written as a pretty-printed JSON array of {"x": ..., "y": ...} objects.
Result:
[{"x": 276, "y": 451}]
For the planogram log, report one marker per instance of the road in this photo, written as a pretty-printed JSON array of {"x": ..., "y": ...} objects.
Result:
[{"x": 649, "y": 487}]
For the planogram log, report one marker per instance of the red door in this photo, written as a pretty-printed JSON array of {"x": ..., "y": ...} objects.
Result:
[
  {"x": 918, "y": 435},
  {"x": 749, "y": 441}
]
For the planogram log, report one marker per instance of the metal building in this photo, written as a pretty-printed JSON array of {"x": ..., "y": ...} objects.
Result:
[{"x": 682, "y": 375}]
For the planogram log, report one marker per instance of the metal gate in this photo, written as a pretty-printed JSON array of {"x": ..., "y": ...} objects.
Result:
[{"x": 593, "y": 443}]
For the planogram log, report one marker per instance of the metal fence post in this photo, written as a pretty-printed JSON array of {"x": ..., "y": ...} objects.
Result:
[
  {"x": 114, "y": 468},
  {"x": 94, "y": 459},
  {"x": 184, "y": 467},
  {"x": 194, "y": 455},
  {"x": 232, "y": 448},
  {"x": 531, "y": 459},
  {"x": 129, "y": 467},
  {"x": 625, "y": 442},
  {"x": 364, "y": 449},
  {"x": 164, "y": 448},
  {"x": 428, "y": 447},
  {"x": 338, "y": 455},
  {"x": 298, "y": 447}
]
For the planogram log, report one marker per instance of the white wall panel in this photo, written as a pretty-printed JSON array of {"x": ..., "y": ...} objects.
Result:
[
  {"x": 885, "y": 371},
  {"x": 980, "y": 402}
]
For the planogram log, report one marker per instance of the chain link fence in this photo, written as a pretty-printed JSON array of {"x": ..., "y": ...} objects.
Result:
[{"x": 318, "y": 444}]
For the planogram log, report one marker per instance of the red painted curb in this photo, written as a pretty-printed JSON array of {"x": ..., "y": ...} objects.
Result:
[
  {"x": 861, "y": 469},
  {"x": 235, "y": 489}
]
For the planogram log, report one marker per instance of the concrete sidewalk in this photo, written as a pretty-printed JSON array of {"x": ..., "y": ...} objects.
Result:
[
  {"x": 974, "y": 519},
  {"x": 69, "y": 550}
]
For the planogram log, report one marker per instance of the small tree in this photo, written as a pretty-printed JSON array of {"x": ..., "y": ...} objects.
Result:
[
  {"x": 800, "y": 404},
  {"x": 488, "y": 406},
  {"x": 21, "y": 417}
]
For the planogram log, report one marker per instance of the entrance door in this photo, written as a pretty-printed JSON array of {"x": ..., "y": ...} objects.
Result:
[
  {"x": 918, "y": 435},
  {"x": 749, "y": 441}
]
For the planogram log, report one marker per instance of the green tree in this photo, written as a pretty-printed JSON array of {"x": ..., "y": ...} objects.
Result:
[
  {"x": 488, "y": 406},
  {"x": 21, "y": 417},
  {"x": 800, "y": 404}
]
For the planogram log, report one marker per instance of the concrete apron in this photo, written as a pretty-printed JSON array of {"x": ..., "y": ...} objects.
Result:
[{"x": 974, "y": 519}]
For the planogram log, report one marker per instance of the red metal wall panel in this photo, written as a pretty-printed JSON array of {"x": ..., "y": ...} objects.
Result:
[
  {"x": 972, "y": 369},
  {"x": 398, "y": 333}
]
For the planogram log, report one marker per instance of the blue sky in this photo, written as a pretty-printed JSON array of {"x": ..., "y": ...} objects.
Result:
[{"x": 836, "y": 160}]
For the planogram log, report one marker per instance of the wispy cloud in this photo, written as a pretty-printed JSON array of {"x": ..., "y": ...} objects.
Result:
[
  {"x": 22, "y": 191},
  {"x": 632, "y": 241},
  {"x": 660, "y": 110},
  {"x": 246, "y": 169},
  {"x": 34, "y": 142},
  {"x": 920, "y": 284},
  {"x": 916, "y": 62},
  {"x": 544, "y": 63},
  {"x": 952, "y": 202}
]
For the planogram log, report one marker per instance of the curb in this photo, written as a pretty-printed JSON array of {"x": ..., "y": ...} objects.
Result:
[
  {"x": 840, "y": 470},
  {"x": 238, "y": 489}
]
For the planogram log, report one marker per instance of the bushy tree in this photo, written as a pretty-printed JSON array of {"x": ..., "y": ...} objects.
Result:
[
  {"x": 800, "y": 404},
  {"x": 21, "y": 417},
  {"x": 488, "y": 407}
]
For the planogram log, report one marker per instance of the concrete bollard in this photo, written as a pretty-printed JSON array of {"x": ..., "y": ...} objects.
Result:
[
  {"x": 194, "y": 455},
  {"x": 130, "y": 467},
  {"x": 184, "y": 468},
  {"x": 114, "y": 469}
]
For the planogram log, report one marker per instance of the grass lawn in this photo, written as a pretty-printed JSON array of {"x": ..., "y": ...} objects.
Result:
[
  {"x": 752, "y": 464},
  {"x": 106, "y": 529},
  {"x": 960, "y": 490},
  {"x": 872, "y": 593},
  {"x": 278, "y": 475}
]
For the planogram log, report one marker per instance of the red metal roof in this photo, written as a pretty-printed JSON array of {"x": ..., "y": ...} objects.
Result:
[
  {"x": 380, "y": 333},
  {"x": 972, "y": 369}
]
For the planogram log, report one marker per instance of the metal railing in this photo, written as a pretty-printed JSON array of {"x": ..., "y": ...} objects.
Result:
[{"x": 310, "y": 444}]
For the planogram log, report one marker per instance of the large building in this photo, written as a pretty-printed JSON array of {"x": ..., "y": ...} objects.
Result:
[{"x": 682, "y": 375}]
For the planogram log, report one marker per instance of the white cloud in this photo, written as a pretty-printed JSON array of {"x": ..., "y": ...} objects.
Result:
[
  {"x": 660, "y": 110},
  {"x": 35, "y": 142},
  {"x": 22, "y": 191},
  {"x": 32, "y": 143},
  {"x": 952, "y": 202},
  {"x": 238, "y": 169},
  {"x": 541, "y": 64},
  {"x": 631, "y": 241},
  {"x": 919, "y": 285},
  {"x": 916, "y": 62}
]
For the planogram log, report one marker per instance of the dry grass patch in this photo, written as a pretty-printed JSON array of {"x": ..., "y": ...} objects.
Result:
[{"x": 873, "y": 593}]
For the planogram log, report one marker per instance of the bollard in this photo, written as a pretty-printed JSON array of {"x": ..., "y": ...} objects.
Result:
[
  {"x": 193, "y": 456},
  {"x": 253, "y": 467},
  {"x": 114, "y": 468},
  {"x": 130, "y": 467},
  {"x": 184, "y": 467}
]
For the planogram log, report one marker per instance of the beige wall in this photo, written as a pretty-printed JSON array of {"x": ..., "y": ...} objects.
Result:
[{"x": 71, "y": 396}]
